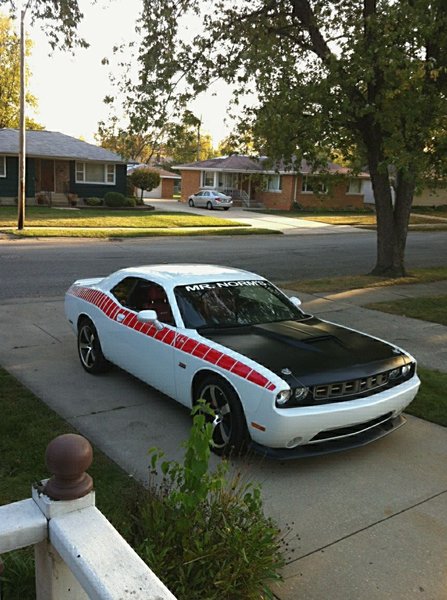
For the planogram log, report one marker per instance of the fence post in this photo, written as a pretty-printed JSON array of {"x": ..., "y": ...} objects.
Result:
[{"x": 69, "y": 489}]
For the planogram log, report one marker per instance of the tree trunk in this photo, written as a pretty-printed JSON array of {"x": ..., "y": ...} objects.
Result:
[{"x": 392, "y": 222}]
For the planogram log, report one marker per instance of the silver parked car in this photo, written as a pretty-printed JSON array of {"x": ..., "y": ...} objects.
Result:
[{"x": 210, "y": 199}]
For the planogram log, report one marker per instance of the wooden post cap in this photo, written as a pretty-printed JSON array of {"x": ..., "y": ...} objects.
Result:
[{"x": 68, "y": 457}]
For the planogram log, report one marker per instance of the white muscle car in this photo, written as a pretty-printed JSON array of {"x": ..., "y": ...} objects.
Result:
[{"x": 282, "y": 381}]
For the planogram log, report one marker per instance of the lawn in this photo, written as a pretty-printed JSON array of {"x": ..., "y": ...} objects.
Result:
[
  {"x": 433, "y": 309},
  {"x": 363, "y": 219},
  {"x": 103, "y": 223},
  {"x": 352, "y": 282},
  {"x": 139, "y": 219}
]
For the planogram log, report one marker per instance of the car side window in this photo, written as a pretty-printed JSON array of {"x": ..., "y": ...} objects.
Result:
[
  {"x": 147, "y": 295},
  {"x": 123, "y": 290}
]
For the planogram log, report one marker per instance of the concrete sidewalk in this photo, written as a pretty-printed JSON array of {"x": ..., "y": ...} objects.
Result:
[{"x": 368, "y": 524}]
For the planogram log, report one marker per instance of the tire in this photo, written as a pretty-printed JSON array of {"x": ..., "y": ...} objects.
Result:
[
  {"x": 227, "y": 208},
  {"x": 230, "y": 433},
  {"x": 209, "y": 205},
  {"x": 191, "y": 202},
  {"x": 89, "y": 349}
]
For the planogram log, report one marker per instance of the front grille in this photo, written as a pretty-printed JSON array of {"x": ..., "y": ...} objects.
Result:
[
  {"x": 348, "y": 388},
  {"x": 354, "y": 388}
]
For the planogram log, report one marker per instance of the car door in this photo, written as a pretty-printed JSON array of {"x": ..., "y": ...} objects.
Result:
[
  {"x": 140, "y": 348},
  {"x": 203, "y": 198}
]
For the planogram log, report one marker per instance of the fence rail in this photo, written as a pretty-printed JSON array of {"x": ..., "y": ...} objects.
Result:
[{"x": 78, "y": 553}]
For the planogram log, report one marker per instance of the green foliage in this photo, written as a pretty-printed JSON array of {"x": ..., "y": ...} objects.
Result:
[
  {"x": 204, "y": 533},
  {"x": 115, "y": 200},
  {"x": 10, "y": 77},
  {"x": 130, "y": 202},
  {"x": 363, "y": 80},
  {"x": 93, "y": 201},
  {"x": 145, "y": 179}
]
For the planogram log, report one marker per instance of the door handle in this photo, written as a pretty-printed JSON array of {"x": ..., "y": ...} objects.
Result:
[{"x": 120, "y": 317}]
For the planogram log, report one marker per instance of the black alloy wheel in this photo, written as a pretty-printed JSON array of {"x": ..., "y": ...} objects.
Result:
[
  {"x": 229, "y": 425},
  {"x": 89, "y": 349}
]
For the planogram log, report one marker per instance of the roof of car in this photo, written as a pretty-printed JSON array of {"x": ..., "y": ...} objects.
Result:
[{"x": 171, "y": 275}]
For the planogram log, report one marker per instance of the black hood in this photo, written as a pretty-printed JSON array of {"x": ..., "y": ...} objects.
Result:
[{"x": 314, "y": 351}]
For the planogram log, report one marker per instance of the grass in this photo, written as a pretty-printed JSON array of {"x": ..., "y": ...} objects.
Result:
[
  {"x": 365, "y": 218},
  {"x": 431, "y": 402},
  {"x": 27, "y": 426},
  {"x": 433, "y": 309},
  {"x": 129, "y": 219},
  {"x": 36, "y": 232},
  {"x": 94, "y": 223},
  {"x": 352, "y": 282}
]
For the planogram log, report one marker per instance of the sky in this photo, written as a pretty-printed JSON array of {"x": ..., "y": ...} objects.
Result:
[{"x": 70, "y": 89}]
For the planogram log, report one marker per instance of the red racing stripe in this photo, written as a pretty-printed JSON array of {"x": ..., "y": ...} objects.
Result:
[{"x": 167, "y": 336}]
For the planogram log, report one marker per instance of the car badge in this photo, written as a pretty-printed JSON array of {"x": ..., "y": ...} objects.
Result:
[{"x": 286, "y": 371}]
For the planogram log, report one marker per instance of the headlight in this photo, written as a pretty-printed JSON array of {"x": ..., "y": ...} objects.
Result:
[
  {"x": 300, "y": 393},
  {"x": 291, "y": 397},
  {"x": 283, "y": 397},
  {"x": 400, "y": 372}
]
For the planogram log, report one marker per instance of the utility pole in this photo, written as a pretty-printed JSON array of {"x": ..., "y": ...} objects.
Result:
[{"x": 22, "y": 147}]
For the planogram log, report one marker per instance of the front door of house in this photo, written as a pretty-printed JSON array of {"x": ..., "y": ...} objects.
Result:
[{"x": 47, "y": 175}]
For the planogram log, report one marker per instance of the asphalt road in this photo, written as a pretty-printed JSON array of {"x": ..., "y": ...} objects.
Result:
[{"x": 45, "y": 268}]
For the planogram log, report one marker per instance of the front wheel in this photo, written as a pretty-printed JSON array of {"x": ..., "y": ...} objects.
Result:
[
  {"x": 89, "y": 349},
  {"x": 209, "y": 205},
  {"x": 191, "y": 202},
  {"x": 229, "y": 426}
]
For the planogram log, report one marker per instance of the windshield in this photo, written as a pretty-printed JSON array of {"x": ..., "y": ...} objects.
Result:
[{"x": 233, "y": 304}]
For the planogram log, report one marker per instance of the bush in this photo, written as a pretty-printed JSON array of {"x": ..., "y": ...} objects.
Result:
[
  {"x": 93, "y": 201},
  {"x": 114, "y": 199},
  {"x": 145, "y": 179},
  {"x": 130, "y": 201},
  {"x": 205, "y": 535}
]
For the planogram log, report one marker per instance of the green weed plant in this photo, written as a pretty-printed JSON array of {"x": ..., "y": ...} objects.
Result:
[{"x": 204, "y": 531}]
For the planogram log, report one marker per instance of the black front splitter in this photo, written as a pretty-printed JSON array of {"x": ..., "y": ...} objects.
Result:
[{"x": 346, "y": 443}]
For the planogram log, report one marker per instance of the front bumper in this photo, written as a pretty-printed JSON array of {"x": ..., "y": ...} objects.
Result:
[
  {"x": 346, "y": 443},
  {"x": 340, "y": 425}
]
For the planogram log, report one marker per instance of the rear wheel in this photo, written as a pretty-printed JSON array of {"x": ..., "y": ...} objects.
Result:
[
  {"x": 226, "y": 208},
  {"x": 229, "y": 426},
  {"x": 89, "y": 349},
  {"x": 191, "y": 202},
  {"x": 209, "y": 205}
]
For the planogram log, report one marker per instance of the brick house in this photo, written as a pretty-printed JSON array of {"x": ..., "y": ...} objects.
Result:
[
  {"x": 252, "y": 183},
  {"x": 58, "y": 167}
]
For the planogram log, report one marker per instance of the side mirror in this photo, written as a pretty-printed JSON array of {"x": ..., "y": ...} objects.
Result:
[
  {"x": 295, "y": 301},
  {"x": 150, "y": 316}
]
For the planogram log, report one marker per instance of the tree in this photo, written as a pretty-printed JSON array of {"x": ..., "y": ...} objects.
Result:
[
  {"x": 145, "y": 179},
  {"x": 10, "y": 77},
  {"x": 368, "y": 77}
]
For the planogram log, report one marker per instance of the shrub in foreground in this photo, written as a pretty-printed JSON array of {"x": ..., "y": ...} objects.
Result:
[
  {"x": 114, "y": 199},
  {"x": 205, "y": 534},
  {"x": 93, "y": 201}
]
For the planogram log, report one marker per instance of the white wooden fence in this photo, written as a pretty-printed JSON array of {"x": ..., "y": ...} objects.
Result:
[{"x": 78, "y": 553}]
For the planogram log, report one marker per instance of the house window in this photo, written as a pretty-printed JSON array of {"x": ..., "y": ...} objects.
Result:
[
  {"x": 355, "y": 186},
  {"x": 273, "y": 183},
  {"x": 207, "y": 178},
  {"x": 90, "y": 172},
  {"x": 2, "y": 166},
  {"x": 313, "y": 185}
]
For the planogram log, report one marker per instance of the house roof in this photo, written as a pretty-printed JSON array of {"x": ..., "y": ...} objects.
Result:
[
  {"x": 52, "y": 144},
  {"x": 237, "y": 163},
  {"x": 234, "y": 162},
  {"x": 162, "y": 172}
]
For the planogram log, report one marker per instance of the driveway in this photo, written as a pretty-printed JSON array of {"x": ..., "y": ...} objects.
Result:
[
  {"x": 287, "y": 225},
  {"x": 365, "y": 524}
]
